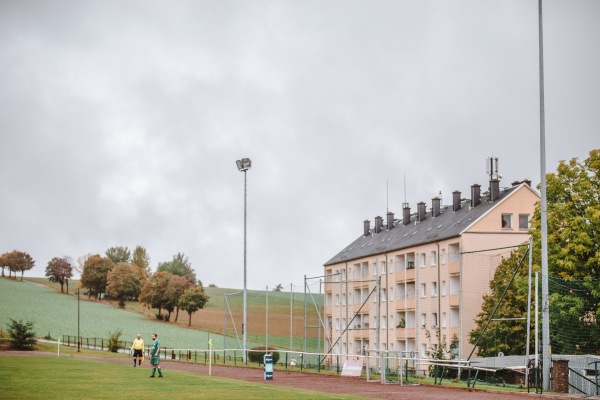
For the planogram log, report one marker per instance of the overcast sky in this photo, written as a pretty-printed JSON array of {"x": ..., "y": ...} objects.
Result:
[{"x": 121, "y": 121}]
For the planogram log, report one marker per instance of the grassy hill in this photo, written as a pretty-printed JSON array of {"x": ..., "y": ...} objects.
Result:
[{"x": 55, "y": 314}]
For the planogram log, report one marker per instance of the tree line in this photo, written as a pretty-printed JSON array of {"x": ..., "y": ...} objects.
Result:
[{"x": 124, "y": 275}]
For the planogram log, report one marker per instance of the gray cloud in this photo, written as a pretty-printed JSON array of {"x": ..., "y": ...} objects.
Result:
[{"x": 120, "y": 122}]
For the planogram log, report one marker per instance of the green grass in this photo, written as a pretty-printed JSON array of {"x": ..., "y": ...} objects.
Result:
[
  {"x": 69, "y": 378},
  {"x": 55, "y": 314}
]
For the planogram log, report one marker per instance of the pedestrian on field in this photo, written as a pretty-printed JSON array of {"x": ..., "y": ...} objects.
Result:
[
  {"x": 155, "y": 356},
  {"x": 138, "y": 350}
]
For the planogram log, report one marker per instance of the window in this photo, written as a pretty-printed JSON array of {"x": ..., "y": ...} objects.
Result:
[
  {"x": 433, "y": 258},
  {"x": 434, "y": 321},
  {"x": 337, "y": 324},
  {"x": 328, "y": 300},
  {"x": 443, "y": 288},
  {"x": 423, "y": 290},
  {"x": 337, "y": 299},
  {"x": 506, "y": 221},
  {"x": 524, "y": 222},
  {"x": 423, "y": 320},
  {"x": 384, "y": 322},
  {"x": 423, "y": 261},
  {"x": 383, "y": 267},
  {"x": 443, "y": 322},
  {"x": 383, "y": 295},
  {"x": 423, "y": 350},
  {"x": 343, "y": 299},
  {"x": 391, "y": 291},
  {"x": 374, "y": 269},
  {"x": 442, "y": 256},
  {"x": 433, "y": 289}
]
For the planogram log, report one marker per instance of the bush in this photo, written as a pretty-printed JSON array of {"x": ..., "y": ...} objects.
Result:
[
  {"x": 256, "y": 354},
  {"x": 113, "y": 340},
  {"x": 22, "y": 335}
]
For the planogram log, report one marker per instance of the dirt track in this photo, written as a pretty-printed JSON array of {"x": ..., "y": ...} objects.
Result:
[{"x": 333, "y": 384}]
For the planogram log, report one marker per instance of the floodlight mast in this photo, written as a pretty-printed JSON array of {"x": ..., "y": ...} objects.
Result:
[{"x": 244, "y": 165}]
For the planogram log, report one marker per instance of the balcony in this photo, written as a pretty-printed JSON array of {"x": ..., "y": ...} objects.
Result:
[
  {"x": 405, "y": 333},
  {"x": 405, "y": 276},
  {"x": 454, "y": 268},
  {"x": 405, "y": 304},
  {"x": 454, "y": 300}
]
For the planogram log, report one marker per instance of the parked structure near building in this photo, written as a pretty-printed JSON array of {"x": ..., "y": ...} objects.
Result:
[{"x": 406, "y": 284}]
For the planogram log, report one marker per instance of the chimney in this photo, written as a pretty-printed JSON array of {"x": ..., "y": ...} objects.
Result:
[
  {"x": 475, "y": 195},
  {"x": 435, "y": 206},
  {"x": 390, "y": 220},
  {"x": 494, "y": 190},
  {"x": 405, "y": 214},
  {"x": 455, "y": 201},
  {"x": 421, "y": 210},
  {"x": 378, "y": 224},
  {"x": 367, "y": 227}
]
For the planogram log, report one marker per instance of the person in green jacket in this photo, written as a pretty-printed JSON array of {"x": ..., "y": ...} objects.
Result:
[{"x": 155, "y": 356}]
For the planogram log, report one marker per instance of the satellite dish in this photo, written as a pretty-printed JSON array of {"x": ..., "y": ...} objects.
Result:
[{"x": 501, "y": 354}]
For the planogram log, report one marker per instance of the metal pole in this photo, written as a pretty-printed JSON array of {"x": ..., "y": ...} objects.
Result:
[
  {"x": 304, "y": 316},
  {"x": 245, "y": 324},
  {"x": 78, "y": 334},
  {"x": 543, "y": 212},
  {"x": 267, "y": 320},
  {"x": 537, "y": 334},
  {"x": 225, "y": 320},
  {"x": 528, "y": 316},
  {"x": 291, "y": 315}
]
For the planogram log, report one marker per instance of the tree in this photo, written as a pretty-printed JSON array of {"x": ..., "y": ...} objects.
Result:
[
  {"x": 573, "y": 216},
  {"x": 59, "y": 270},
  {"x": 22, "y": 335},
  {"x": 192, "y": 300},
  {"x": 153, "y": 291},
  {"x": 504, "y": 336},
  {"x": 180, "y": 266},
  {"x": 119, "y": 254},
  {"x": 95, "y": 274},
  {"x": 3, "y": 262},
  {"x": 17, "y": 261},
  {"x": 142, "y": 260},
  {"x": 123, "y": 281},
  {"x": 176, "y": 287}
]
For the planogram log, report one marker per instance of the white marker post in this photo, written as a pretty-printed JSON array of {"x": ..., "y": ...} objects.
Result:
[{"x": 209, "y": 356}]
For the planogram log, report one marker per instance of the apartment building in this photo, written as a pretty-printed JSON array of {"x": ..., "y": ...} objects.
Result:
[{"x": 404, "y": 280}]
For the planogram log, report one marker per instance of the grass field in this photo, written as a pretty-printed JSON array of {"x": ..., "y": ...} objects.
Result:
[
  {"x": 56, "y": 314},
  {"x": 70, "y": 378}
]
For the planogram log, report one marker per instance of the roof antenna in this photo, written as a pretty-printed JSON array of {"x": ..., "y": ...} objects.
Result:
[
  {"x": 492, "y": 168},
  {"x": 405, "y": 204},
  {"x": 387, "y": 194}
]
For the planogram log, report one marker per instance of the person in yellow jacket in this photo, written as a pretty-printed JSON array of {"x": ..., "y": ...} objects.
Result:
[{"x": 138, "y": 350}]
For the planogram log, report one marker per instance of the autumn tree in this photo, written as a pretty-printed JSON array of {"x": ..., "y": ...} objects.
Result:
[
  {"x": 142, "y": 260},
  {"x": 153, "y": 291},
  {"x": 119, "y": 254},
  {"x": 176, "y": 287},
  {"x": 95, "y": 274},
  {"x": 124, "y": 281},
  {"x": 192, "y": 300},
  {"x": 17, "y": 261},
  {"x": 59, "y": 270},
  {"x": 180, "y": 266},
  {"x": 573, "y": 217}
]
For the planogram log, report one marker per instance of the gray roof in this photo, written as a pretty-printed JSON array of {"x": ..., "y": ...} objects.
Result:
[{"x": 446, "y": 225}]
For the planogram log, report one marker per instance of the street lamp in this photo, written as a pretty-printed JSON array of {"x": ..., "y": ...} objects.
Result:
[
  {"x": 244, "y": 165},
  {"x": 78, "y": 337}
]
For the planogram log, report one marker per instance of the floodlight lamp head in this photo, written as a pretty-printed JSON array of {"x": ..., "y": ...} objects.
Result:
[{"x": 244, "y": 164}]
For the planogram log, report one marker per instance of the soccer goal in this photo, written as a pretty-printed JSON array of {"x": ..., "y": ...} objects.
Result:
[{"x": 393, "y": 367}]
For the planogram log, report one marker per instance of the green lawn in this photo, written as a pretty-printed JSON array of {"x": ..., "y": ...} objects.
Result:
[
  {"x": 70, "y": 378},
  {"x": 55, "y": 314}
]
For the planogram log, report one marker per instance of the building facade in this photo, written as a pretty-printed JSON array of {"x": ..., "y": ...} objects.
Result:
[{"x": 415, "y": 284}]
